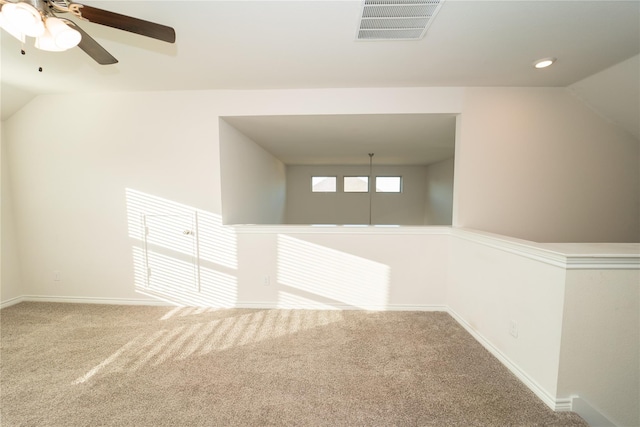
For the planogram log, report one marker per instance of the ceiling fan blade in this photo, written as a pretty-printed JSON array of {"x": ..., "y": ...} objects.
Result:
[
  {"x": 93, "y": 48},
  {"x": 123, "y": 22}
]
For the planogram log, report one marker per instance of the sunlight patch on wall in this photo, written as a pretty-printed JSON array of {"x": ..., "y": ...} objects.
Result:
[
  {"x": 172, "y": 232},
  {"x": 174, "y": 281},
  {"x": 167, "y": 273},
  {"x": 216, "y": 243},
  {"x": 204, "y": 339},
  {"x": 181, "y": 254},
  {"x": 333, "y": 275}
]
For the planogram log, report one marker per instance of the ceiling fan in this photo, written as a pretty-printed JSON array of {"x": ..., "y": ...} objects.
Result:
[{"x": 38, "y": 18}]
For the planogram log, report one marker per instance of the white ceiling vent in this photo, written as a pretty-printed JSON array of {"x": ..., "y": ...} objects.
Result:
[{"x": 396, "y": 19}]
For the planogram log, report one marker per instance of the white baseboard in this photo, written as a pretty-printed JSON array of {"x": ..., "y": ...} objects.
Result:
[
  {"x": 563, "y": 404},
  {"x": 241, "y": 304},
  {"x": 407, "y": 307},
  {"x": 546, "y": 397},
  {"x": 10, "y": 302},
  {"x": 590, "y": 414},
  {"x": 86, "y": 300},
  {"x": 310, "y": 306}
]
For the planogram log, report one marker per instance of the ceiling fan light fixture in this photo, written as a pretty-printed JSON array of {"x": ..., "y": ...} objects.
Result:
[
  {"x": 37, "y": 18},
  {"x": 64, "y": 37},
  {"x": 11, "y": 29},
  {"x": 24, "y": 18},
  {"x": 46, "y": 42}
]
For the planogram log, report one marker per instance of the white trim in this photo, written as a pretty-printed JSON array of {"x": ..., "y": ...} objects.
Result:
[
  {"x": 88, "y": 300},
  {"x": 538, "y": 390},
  {"x": 240, "y": 304},
  {"x": 531, "y": 250},
  {"x": 514, "y": 246},
  {"x": 589, "y": 413},
  {"x": 585, "y": 262},
  {"x": 564, "y": 404},
  {"x": 341, "y": 229},
  {"x": 537, "y": 252},
  {"x": 408, "y": 307},
  {"x": 10, "y": 302},
  {"x": 345, "y": 307}
]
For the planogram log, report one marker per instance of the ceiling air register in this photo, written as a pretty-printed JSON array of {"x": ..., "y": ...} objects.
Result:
[{"x": 396, "y": 19}]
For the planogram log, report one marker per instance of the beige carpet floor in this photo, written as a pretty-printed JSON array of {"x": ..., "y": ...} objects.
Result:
[{"x": 98, "y": 365}]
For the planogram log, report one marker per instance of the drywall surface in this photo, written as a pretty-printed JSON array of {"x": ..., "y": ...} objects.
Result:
[
  {"x": 530, "y": 163},
  {"x": 10, "y": 283},
  {"x": 438, "y": 208},
  {"x": 13, "y": 98},
  {"x": 82, "y": 196},
  {"x": 342, "y": 267},
  {"x": 253, "y": 181},
  {"x": 614, "y": 93},
  {"x": 537, "y": 164},
  {"x": 72, "y": 189},
  {"x": 490, "y": 288},
  {"x": 600, "y": 354},
  {"x": 405, "y": 208}
]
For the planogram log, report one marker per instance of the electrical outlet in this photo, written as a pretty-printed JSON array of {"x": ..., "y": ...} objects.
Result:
[
  {"x": 56, "y": 276},
  {"x": 513, "y": 328},
  {"x": 266, "y": 281}
]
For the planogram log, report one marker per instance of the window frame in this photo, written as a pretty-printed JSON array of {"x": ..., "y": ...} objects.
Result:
[
  {"x": 335, "y": 182},
  {"x": 400, "y": 186},
  {"x": 368, "y": 190}
]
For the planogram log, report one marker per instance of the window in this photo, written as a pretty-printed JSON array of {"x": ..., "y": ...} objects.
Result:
[
  {"x": 356, "y": 184},
  {"x": 323, "y": 184},
  {"x": 388, "y": 184}
]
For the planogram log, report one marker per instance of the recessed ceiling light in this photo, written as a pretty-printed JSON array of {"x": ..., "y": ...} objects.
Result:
[{"x": 544, "y": 62}]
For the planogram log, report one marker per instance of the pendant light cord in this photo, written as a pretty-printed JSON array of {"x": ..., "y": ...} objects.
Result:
[{"x": 370, "y": 184}]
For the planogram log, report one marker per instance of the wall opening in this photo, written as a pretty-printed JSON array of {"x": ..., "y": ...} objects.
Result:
[{"x": 269, "y": 164}]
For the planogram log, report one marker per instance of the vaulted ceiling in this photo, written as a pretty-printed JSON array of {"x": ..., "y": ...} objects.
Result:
[{"x": 311, "y": 44}]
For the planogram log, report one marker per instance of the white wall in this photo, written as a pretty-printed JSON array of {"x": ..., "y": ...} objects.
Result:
[
  {"x": 490, "y": 287},
  {"x": 305, "y": 207},
  {"x": 600, "y": 357},
  {"x": 79, "y": 194},
  {"x": 576, "y": 309},
  {"x": 438, "y": 208},
  {"x": 69, "y": 188},
  {"x": 532, "y": 162},
  {"x": 70, "y": 184},
  {"x": 539, "y": 165},
  {"x": 10, "y": 283},
  {"x": 614, "y": 93},
  {"x": 253, "y": 181},
  {"x": 342, "y": 267}
]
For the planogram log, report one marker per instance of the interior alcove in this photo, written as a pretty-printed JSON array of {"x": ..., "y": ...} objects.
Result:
[{"x": 267, "y": 163}]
